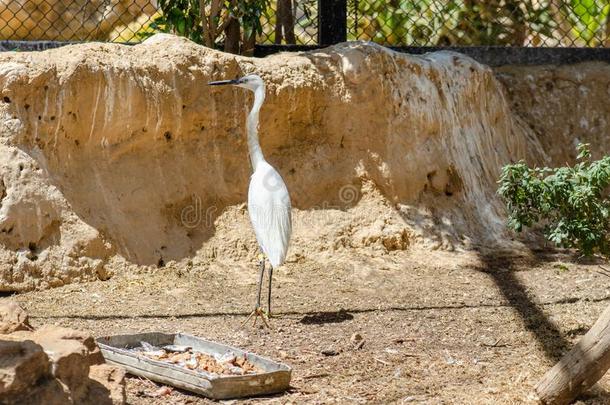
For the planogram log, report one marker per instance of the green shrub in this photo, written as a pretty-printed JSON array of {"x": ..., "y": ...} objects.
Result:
[{"x": 570, "y": 202}]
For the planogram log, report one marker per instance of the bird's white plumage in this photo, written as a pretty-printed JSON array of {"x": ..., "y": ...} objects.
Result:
[
  {"x": 268, "y": 199},
  {"x": 270, "y": 212}
]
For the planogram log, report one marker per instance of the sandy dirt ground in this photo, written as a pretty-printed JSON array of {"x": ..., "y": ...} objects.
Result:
[{"x": 438, "y": 328}]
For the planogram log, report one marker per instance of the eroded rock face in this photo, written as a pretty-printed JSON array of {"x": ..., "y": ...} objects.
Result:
[
  {"x": 55, "y": 365},
  {"x": 563, "y": 105},
  {"x": 114, "y": 156}
]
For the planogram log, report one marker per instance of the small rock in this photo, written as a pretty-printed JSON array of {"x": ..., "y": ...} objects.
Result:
[
  {"x": 73, "y": 355},
  {"x": 106, "y": 381},
  {"x": 22, "y": 364},
  {"x": 94, "y": 355},
  {"x": 48, "y": 392},
  {"x": 69, "y": 357},
  {"x": 103, "y": 273},
  {"x": 13, "y": 318},
  {"x": 162, "y": 392},
  {"x": 329, "y": 352},
  {"x": 357, "y": 340}
]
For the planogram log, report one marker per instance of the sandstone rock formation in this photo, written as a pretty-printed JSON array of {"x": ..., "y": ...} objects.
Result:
[
  {"x": 115, "y": 156},
  {"x": 563, "y": 105},
  {"x": 55, "y": 365}
]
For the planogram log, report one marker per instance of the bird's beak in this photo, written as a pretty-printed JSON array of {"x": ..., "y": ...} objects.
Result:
[{"x": 222, "y": 82}]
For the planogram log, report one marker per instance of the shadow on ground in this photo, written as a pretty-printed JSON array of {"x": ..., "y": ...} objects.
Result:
[
  {"x": 320, "y": 318},
  {"x": 502, "y": 270}
]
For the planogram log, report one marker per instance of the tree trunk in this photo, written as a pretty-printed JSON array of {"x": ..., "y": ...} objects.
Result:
[
  {"x": 557, "y": 11},
  {"x": 248, "y": 44},
  {"x": 208, "y": 39},
  {"x": 232, "y": 36},
  {"x": 582, "y": 367},
  {"x": 519, "y": 24},
  {"x": 284, "y": 25}
]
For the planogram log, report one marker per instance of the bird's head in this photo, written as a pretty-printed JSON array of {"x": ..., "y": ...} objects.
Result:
[{"x": 251, "y": 82}]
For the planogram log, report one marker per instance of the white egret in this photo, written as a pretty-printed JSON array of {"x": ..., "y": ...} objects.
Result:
[{"x": 268, "y": 198}]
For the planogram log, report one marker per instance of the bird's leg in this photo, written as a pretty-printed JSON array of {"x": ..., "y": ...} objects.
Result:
[
  {"x": 260, "y": 284},
  {"x": 269, "y": 293},
  {"x": 258, "y": 311}
]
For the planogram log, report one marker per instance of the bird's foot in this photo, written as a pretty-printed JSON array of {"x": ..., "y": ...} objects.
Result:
[{"x": 258, "y": 312}]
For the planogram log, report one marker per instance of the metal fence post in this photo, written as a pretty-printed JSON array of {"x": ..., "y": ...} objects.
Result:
[{"x": 332, "y": 21}]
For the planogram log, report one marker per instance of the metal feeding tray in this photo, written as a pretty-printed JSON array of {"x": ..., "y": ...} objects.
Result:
[{"x": 271, "y": 377}]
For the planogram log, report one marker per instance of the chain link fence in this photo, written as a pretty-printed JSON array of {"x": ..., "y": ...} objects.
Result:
[
  {"x": 550, "y": 23},
  {"x": 304, "y": 18},
  {"x": 531, "y": 23},
  {"x": 79, "y": 20}
]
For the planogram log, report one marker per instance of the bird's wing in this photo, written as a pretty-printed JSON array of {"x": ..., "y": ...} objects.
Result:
[{"x": 270, "y": 212}]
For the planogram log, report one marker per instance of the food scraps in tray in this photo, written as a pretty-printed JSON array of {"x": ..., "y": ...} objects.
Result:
[{"x": 184, "y": 356}]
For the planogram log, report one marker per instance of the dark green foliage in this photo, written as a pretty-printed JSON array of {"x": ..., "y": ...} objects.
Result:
[
  {"x": 184, "y": 18},
  {"x": 249, "y": 14},
  {"x": 570, "y": 202},
  {"x": 180, "y": 17}
]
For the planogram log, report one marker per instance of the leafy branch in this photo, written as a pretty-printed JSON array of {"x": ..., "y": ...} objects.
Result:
[
  {"x": 571, "y": 202},
  {"x": 208, "y": 21}
]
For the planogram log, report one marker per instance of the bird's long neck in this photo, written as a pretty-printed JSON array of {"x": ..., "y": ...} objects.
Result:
[{"x": 254, "y": 146}]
